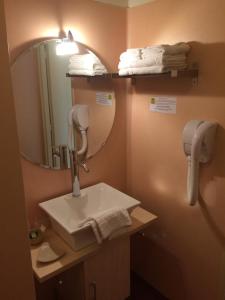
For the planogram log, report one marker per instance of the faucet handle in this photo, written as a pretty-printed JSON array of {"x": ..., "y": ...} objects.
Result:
[{"x": 84, "y": 166}]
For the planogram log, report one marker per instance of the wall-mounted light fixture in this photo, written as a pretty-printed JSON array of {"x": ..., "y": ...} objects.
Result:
[{"x": 67, "y": 45}]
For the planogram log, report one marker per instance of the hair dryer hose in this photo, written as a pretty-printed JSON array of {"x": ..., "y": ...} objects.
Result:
[
  {"x": 84, "y": 143},
  {"x": 192, "y": 180}
]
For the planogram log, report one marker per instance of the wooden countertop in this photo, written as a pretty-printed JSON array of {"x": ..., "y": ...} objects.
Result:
[{"x": 141, "y": 218}]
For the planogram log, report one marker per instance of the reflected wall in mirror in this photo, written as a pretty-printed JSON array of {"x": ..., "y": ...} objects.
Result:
[
  {"x": 100, "y": 98},
  {"x": 43, "y": 99}
]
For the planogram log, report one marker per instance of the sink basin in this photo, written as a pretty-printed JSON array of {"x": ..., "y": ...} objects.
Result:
[{"x": 67, "y": 212}]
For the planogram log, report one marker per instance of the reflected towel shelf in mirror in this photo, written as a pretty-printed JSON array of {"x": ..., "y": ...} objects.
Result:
[{"x": 105, "y": 76}]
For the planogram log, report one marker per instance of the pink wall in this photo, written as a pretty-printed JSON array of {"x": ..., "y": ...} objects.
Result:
[
  {"x": 184, "y": 256},
  {"x": 16, "y": 271},
  {"x": 94, "y": 25}
]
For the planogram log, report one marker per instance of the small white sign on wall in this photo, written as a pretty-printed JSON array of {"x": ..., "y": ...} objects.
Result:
[
  {"x": 163, "y": 104},
  {"x": 104, "y": 98}
]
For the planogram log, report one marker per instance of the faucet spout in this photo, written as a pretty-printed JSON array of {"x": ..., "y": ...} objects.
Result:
[
  {"x": 76, "y": 187},
  {"x": 74, "y": 165}
]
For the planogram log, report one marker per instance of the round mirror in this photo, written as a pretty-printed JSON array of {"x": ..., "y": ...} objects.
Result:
[{"x": 44, "y": 97}]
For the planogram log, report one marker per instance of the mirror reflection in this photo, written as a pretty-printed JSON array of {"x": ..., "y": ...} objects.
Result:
[{"x": 44, "y": 96}]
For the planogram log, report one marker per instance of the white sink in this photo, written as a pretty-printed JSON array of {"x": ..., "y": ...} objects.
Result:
[{"x": 67, "y": 212}]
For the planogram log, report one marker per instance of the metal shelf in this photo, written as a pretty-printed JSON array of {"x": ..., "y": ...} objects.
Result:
[{"x": 186, "y": 73}]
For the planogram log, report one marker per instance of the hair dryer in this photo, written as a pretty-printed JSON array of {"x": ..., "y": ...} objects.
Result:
[
  {"x": 78, "y": 117},
  {"x": 198, "y": 140}
]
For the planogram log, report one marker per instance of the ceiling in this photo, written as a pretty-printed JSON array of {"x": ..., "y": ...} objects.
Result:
[{"x": 125, "y": 3}]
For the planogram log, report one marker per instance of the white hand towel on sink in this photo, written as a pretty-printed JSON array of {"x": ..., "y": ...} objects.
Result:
[
  {"x": 95, "y": 230},
  {"x": 107, "y": 222}
]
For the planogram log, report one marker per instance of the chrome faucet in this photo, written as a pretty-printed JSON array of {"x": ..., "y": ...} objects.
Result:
[
  {"x": 75, "y": 165},
  {"x": 84, "y": 166},
  {"x": 60, "y": 155}
]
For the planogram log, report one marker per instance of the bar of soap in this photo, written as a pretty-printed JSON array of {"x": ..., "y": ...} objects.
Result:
[{"x": 48, "y": 254}]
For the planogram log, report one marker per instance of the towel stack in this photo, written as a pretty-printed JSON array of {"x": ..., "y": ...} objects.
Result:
[
  {"x": 86, "y": 64},
  {"x": 154, "y": 59}
]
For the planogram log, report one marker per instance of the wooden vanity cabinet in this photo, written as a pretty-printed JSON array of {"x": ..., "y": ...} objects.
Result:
[
  {"x": 97, "y": 272},
  {"x": 103, "y": 276},
  {"x": 107, "y": 274},
  {"x": 68, "y": 285}
]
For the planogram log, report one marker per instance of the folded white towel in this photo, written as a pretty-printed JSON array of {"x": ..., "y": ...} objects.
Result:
[
  {"x": 149, "y": 70},
  {"x": 87, "y": 66},
  {"x": 134, "y": 50},
  {"x": 108, "y": 222},
  {"x": 94, "y": 227},
  {"x": 179, "y": 48},
  {"x": 129, "y": 57},
  {"x": 86, "y": 72},
  {"x": 142, "y": 70},
  {"x": 131, "y": 54},
  {"x": 158, "y": 59},
  {"x": 84, "y": 58}
]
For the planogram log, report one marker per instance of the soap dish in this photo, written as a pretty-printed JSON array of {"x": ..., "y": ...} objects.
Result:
[{"x": 48, "y": 254}]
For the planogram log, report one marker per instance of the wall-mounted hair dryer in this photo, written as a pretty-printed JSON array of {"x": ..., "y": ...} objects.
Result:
[
  {"x": 78, "y": 117},
  {"x": 198, "y": 140}
]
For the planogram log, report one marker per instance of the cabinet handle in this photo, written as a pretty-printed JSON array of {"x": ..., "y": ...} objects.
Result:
[
  {"x": 93, "y": 291},
  {"x": 58, "y": 290}
]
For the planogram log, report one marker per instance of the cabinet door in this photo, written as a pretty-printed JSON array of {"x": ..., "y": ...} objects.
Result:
[
  {"x": 107, "y": 274},
  {"x": 65, "y": 286}
]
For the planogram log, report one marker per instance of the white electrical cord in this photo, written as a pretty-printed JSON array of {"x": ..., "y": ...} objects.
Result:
[
  {"x": 84, "y": 142},
  {"x": 70, "y": 129},
  {"x": 83, "y": 131},
  {"x": 192, "y": 180}
]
